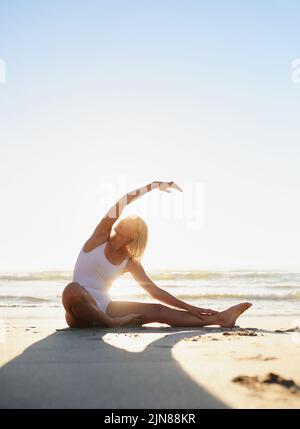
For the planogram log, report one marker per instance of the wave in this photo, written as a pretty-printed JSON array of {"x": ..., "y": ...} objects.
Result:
[
  {"x": 290, "y": 296},
  {"x": 216, "y": 275},
  {"x": 30, "y": 301},
  {"x": 28, "y": 306},
  {"x": 41, "y": 275},
  {"x": 24, "y": 298},
  {"x": 215, "y": 296},
  {"x": 266, "y": 297},
  {"x": 160, "y": 275}
]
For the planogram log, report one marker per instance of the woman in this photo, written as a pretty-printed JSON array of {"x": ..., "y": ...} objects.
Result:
[{"x": 106, "y": 255}]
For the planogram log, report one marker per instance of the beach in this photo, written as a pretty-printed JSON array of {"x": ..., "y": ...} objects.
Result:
[
  {"x": 149, "y": 154},
  {"x": 45, "y": 364}
]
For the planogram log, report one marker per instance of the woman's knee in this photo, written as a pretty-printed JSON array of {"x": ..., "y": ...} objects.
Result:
[{"x": 72, "y": 293}]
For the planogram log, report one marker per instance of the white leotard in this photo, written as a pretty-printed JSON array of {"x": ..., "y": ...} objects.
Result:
[{"x": 95, "y": 274}]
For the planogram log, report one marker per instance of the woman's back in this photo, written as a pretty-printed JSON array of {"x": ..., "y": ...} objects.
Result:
[{"x": 94, "y": 271}]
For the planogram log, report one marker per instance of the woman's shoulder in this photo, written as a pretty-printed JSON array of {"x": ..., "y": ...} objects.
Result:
[
  {"x": 92, "y": 243},
  {"x": 133, "y": 265}
]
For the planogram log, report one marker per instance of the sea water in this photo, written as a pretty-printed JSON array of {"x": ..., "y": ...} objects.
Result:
[{"x": 271, "y": 292}]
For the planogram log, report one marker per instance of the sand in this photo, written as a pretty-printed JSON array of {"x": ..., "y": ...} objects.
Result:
[{"x": 44, "y": 364}]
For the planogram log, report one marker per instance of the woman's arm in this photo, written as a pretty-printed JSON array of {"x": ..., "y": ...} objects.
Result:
[
  {"x": 161, "y": 295},
  {"x": 106, "y": 223},
  {"x": 116, "y": 210},
  {"x": 138, "y": 273},
  {"x": 169, "y": 299}
]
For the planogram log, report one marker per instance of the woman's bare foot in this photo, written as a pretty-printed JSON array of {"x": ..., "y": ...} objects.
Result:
[{"x": 228, "y": 317}]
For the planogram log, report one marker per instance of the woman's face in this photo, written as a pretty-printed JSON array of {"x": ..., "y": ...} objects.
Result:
[{"x": 125, "y": 228}]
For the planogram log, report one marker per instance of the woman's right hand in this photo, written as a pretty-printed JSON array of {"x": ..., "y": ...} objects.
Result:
[
  {"x": 130, "y": 319},
  {"x": 164, "y": 186}
]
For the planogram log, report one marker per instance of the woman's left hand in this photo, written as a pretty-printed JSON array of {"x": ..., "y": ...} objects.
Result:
[
  {"x": 164, "y": 186},
  {"x": 198, "y": 312}
]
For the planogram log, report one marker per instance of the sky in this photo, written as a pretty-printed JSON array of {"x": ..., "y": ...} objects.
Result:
[{"x": 101, "y": 97}]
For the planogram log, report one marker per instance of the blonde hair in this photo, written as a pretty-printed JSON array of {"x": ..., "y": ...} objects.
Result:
[{"x": 136, "y": 248}]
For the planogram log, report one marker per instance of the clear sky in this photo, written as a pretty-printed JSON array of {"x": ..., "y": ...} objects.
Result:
[{"x": 108, "y": 92}]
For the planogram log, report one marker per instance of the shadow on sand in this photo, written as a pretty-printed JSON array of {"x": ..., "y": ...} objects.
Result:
[{"x": 76, "y": 368}]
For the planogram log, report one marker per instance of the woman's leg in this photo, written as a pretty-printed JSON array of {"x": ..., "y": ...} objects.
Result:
[
  {"x": 180, "y": 318},
  {"x": 73, "y": 322},
  {"x": 81, "y": 308}
]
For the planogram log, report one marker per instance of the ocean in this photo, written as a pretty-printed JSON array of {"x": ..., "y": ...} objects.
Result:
[{"x": 271, "y": 292}]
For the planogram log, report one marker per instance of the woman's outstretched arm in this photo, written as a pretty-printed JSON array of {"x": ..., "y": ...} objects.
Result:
[
  {"x": 106, "y": 223},
  {"x": 161, "y": 295}
]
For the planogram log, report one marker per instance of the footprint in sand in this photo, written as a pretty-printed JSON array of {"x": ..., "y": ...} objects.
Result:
[
  {"x": 196, "y": 338},
  {"x": 258, "y": 357},
  {"x": 241, "y": 334},
  {"x": 132, "y": 335},
  {"x": 283, "y": 331},
  {"x": 30, "y": 329},
  {"x": 263, "y": 382},
  {"x": 202, "y": 338}
]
